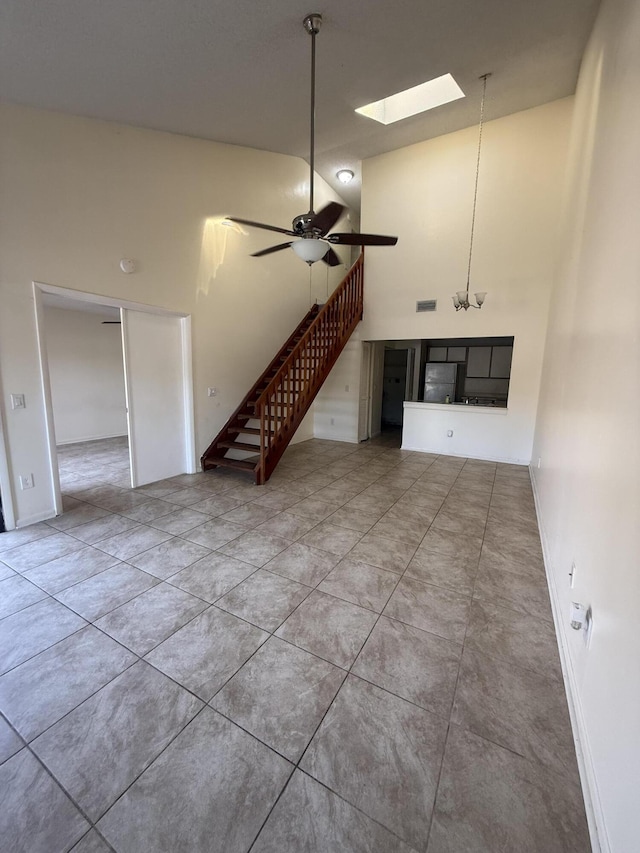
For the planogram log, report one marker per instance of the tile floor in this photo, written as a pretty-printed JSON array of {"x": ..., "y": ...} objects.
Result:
[{"x": 358, "y": 656}]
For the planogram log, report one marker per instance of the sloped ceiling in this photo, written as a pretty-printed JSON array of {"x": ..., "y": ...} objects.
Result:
[{"x": 238, "y": 71}]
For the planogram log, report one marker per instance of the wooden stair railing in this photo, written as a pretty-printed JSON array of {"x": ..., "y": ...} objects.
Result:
[{"x": 282, "y": 396}]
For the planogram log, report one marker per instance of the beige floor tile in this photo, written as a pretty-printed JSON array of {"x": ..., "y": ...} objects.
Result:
[{"x": 446, "y": 548}]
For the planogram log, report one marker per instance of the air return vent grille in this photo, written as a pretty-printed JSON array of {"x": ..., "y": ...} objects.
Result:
[{"x": 426, "y": 305}]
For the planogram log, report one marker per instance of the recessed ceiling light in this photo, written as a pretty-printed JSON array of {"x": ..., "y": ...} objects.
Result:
[
  {"x": 418, "y": 99},
  {"x": 345, "y": 176}
]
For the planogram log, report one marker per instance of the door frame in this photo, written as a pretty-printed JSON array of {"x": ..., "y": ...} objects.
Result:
[
  {"x": 39, "y": 289},
  {"x": 6, "y": 494}
]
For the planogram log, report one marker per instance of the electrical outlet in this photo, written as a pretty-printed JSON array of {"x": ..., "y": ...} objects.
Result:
[
  {"x": 572, "y": 576},
  {"x": 346, "y": 388},
  {"x": 333, "y": 421},
  {"x": 26, "y": 481}
]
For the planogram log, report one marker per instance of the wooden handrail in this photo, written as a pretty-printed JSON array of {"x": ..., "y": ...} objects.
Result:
[{"x": 287, "y": 397}]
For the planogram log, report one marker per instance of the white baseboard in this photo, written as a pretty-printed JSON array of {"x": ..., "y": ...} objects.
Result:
[
  {"x": 592, "y": 802},
  {"x": 330, "y": 435},
  {"x": 91, "y": 438},
  {"x": 34, "y": 519},
  {"x": 505, "y": 460}
]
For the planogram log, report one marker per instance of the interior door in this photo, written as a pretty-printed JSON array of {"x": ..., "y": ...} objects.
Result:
[
  {"x": 364, "y": 407},
  {"x": 377, "y": 373},
  {"x": 157, "y": 396}
]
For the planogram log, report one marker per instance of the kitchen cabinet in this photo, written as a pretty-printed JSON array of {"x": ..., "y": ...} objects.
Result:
[
  {"x": 479, "y": 361},
  {"x": 437, "y": 353},
  {"x": 501, "y": 362},
  {"x": 456, "y": 353}
]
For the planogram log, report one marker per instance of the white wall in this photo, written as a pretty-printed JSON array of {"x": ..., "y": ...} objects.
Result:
[
  {"x": 77, "y": 195},
  {"x": 424, "y": 194},
  {"x": 87, "y": 375},
  {"x": 588, "y": 429},
  {"x": 335, "y": 410},
  {"x": 427, "y": 426}
]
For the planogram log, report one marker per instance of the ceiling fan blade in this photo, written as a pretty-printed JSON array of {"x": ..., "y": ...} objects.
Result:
[
  {"x": 332, "y": 259},
  {"x": 271, "y": 249},
  {"x": 361, "y": 240},
  {"x": 262, "y": 225},
  {"x": 327, "y": 217}
]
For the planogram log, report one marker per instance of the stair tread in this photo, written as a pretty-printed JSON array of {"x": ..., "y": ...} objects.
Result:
[
  {"x": 249, "y": 430},
  {"x": 240, "y": 445},
  {"x": 240, "y": 464}
]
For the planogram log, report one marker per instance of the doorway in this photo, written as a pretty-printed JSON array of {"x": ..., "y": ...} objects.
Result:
[
  {"x": 149, "y": 404},
  {"x": 86, "y": 376},
  {"x": 391, "y": 370},
  {"x": 394, "y": 387}
]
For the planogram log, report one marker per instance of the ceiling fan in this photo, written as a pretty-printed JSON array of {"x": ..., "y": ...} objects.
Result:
[{"x": 312, "y": 229}]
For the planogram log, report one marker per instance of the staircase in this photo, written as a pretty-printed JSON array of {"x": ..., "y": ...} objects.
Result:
[{"x": 266, "y": 420}]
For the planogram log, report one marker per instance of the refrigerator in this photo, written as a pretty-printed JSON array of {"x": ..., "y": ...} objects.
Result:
[{"x": 440, "y": 382}]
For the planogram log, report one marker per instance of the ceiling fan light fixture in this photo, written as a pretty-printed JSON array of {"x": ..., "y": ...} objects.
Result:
[
  {"x": 345, "y": 176},
  {"x": 310, "y": 249}
]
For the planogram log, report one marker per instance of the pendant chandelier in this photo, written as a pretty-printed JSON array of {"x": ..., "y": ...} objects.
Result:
[{"x": 461, "y": 299}]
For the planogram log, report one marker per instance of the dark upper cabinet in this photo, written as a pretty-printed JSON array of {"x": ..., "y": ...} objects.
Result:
[
  {"x": 501, "y": 362},
  {"x": 456, "y": 353},
  {"x": 479, "y": 361},
  {"x": 437, "y": 354}
]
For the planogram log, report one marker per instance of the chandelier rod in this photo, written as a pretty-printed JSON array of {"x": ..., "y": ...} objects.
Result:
[{"x": 475, "y": 191}]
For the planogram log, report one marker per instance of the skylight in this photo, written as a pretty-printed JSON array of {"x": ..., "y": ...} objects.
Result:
[{"x": 412, "y": 101}]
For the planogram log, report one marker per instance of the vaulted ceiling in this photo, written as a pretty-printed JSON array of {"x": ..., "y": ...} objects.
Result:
[{"x": 238, "y": 71}]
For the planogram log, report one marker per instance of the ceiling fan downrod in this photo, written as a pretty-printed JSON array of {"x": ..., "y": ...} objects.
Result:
[{"x": 312, "y": 24}]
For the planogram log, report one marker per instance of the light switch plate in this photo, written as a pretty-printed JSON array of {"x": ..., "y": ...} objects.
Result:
[{"x": 17, "y": 401}]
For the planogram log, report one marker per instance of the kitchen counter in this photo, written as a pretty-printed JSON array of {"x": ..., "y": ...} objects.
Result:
[{"x": 458, "y": 407}]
